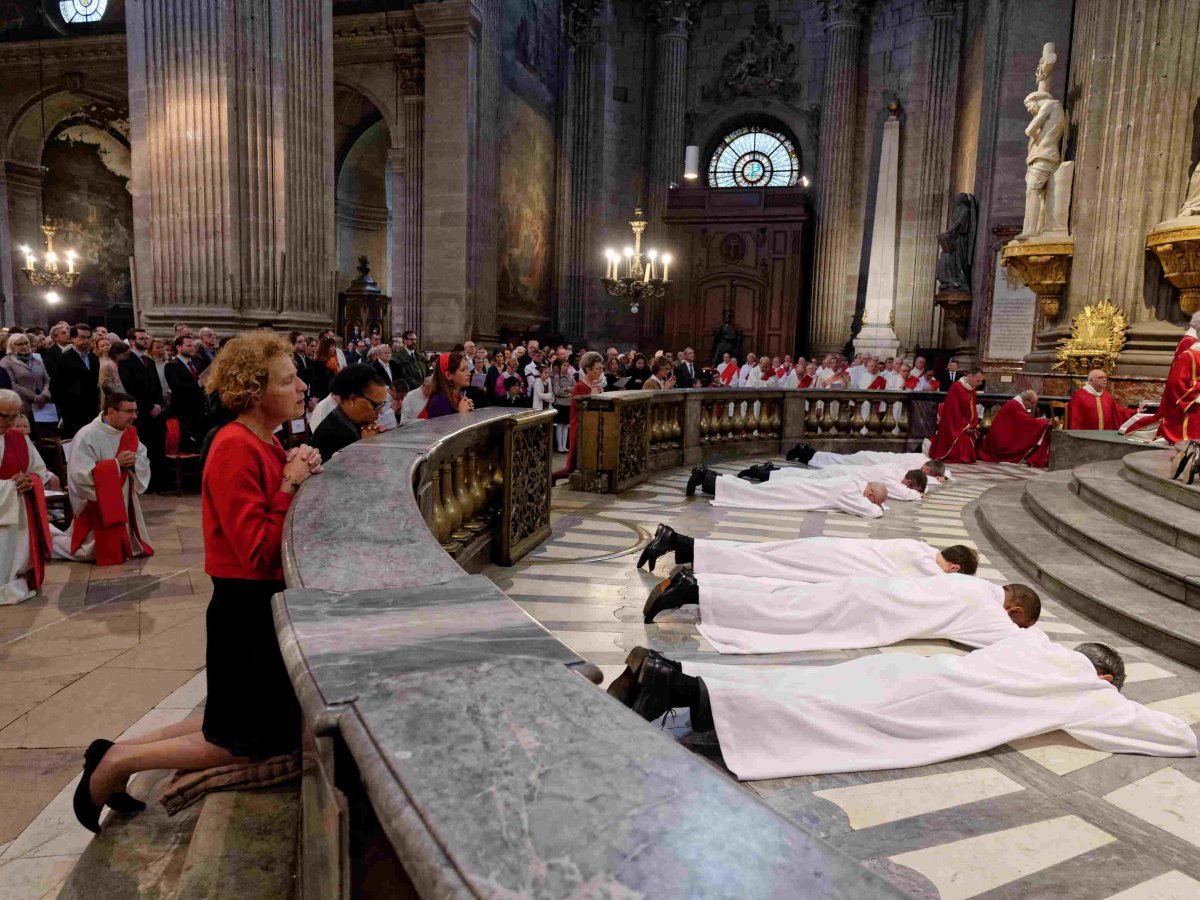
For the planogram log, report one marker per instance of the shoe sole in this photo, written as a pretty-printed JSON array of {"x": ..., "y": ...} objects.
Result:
[
  {"x": 624, "y": 686},
  {"x": 639, "y": 703},
  {"x": 647, "y": 614}
]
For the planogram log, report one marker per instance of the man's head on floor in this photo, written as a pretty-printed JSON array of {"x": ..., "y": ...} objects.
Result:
[
  {"x": 1022, "y": 604},
  {"x": 935, "y": 469},
  {"x": 1107, "y": 661},
  {"x": 959, "y": 558},
  {"x": 916, "y": 480},
  {"x": 876, "y": 492}
]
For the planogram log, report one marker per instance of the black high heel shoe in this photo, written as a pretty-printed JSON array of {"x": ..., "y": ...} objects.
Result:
[{"x": 87, "y": 812}]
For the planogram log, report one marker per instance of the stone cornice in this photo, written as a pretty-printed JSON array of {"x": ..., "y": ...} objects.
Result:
[
  {"x": 844, "y": 13},
  {"x": 24, "y": 54},
  {"x": 374, "y": 37},
  {"x": 453, "y": 17}
]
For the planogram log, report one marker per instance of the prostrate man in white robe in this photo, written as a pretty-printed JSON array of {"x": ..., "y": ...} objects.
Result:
[
  {"x": 810, "y": 560},
  {"x": 745, "y": 614},
  {"x": 824, "y": 459},
  {"x": 849, "y": 495},
  {"x": 109, "y": 468},
  {"x": 896, "y": 710},
  {"x": 24, "y": 525},
  {"x": 902, "y": 485}
]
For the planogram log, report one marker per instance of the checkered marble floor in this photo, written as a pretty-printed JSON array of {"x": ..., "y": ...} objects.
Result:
[{"x": 1043, "y": 817}]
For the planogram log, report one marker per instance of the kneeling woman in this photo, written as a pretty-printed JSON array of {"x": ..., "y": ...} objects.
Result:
[{"x": 249, "y": 482}]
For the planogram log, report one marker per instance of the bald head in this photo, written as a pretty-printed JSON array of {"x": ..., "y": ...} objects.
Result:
[
  {"x": 1098, "y": 379},
  {"x": 876, "y": 492},
  {"x": 1022, "y": 604},
  {"x": 1195, "y": 321}
]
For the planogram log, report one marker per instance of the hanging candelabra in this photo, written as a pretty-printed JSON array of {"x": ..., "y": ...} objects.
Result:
[
  {"x": 632, "y": 279},
  {"x": 49, "y": 274}
]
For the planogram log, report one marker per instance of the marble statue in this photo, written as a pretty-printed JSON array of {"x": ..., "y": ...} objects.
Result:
[
  {"x": 727, "y": 338},
  {"x": 957, "y": 243},
  {"x": 1045, "y": 207},
  {"x": 1191, "y": 203}
]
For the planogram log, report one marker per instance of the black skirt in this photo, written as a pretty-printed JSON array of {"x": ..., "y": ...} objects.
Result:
[
  {"x": 562, "y": 414},
  {"x": 251, "y": 709}
]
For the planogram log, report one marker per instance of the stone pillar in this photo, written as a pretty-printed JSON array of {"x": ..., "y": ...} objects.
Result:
[
  {"x": 1135, "y": 69},
  {"x": 405, "y": 167},
  {"x": 577, "y": 163},
  {"x": 833, "y": 295},
  {"x": 232, "y": 140},
  {"x": 672, "y": 19},
  {"x": 877, "y": 335},
  {"x": 937, "y": 153},
  {"x": 451, "y": 33},
  {"x": 20, "y": 218},
  {"x": 487, "y": 157}
]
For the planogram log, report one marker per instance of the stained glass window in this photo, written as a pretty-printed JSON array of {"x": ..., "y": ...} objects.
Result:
[
  {"x": 77, "y": 11},
  {"x": 754, "y": 157}
]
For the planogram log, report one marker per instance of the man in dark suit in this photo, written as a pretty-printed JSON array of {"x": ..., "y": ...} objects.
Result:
[
  {"x": 952, "y": 374},
  {"x": 412, "y": 364},
  {"x": 304, "y": 365},
  {"x": 361, "y": 398},
  {"x": 75, "y": 387},
  {"x": 187, "y": 395},
  {"x": 381, "y": 361},
  {"x": 139, "y": 377},
  {"x": 685, "y": 371},
  {"x": 60, "y": 341}
]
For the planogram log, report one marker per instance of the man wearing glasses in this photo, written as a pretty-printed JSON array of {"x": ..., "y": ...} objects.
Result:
[{"x": 362, "y": 395}]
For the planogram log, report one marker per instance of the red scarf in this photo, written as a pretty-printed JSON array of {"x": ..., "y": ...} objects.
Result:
[
  {"x": 16, "y": 461},
  {"x": 727, "y": 373},
  {"x": 109, "y": 516}
]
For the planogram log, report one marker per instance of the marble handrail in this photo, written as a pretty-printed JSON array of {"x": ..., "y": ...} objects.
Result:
[{"x": 439, "y": 715}]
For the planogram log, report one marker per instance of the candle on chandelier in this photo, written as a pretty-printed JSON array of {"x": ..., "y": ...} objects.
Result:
[
  {"x": 666, "y": 267},
  {"x": 629, "y": 262},
  {"x": 650, "y": 268},
  {"x": 28, "y": 257},
  {"x": 70, "y": 262}
]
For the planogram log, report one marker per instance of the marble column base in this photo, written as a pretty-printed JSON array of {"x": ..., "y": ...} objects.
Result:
[{"x": 877, "y": 340}]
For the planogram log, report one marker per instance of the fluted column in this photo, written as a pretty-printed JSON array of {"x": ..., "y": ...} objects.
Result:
[
  {"x": 487, "y": 173},
  {"x": 20, "y": 216},
  {"x": 833, "y": 295},
  {"x": 937, "y": 150},
  {"x": 405, "y": 167},
  {"x": 1135, "y": 68},
  {"x": 232, "y": 141},
  {"x": 672, "y": 19},
  {"x": 576, "y": 167}
]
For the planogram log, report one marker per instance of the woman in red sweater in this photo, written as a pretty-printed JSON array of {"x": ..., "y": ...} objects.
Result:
[{"x": 249, "y": 482}]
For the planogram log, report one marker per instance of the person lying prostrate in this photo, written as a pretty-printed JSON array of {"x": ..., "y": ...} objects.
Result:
[
  {"x": 745, "y": 614},
  {"x": 897, "y": 710},
  {"x": 809, "y": 559},
  {"x": 901, "y": 485},
  {"x": 848, "y": 496},
  {"x": 822, "y": 459}
]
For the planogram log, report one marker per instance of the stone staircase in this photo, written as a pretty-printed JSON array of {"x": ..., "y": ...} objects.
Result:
[
  {"x": 239, "y": 844},
  {"x": 1117, "y": 541}
]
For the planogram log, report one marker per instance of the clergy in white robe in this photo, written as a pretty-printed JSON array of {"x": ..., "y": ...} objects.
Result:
[
  {"x": 850, "y": 495},
  {"x": 109, "y": 469},
  {"x": 24, "y": 527},
  {"x": 896, "y": 710},
  {"x": 761, "y": 376},
  {"x": 818, "y": 559},
  {"x": 893, "y": 477},
  {"x": 823, "y": 459},
  {"x": 744, "y": 614}
]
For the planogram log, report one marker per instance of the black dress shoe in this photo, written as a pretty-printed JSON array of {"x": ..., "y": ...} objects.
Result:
[
  {"x": 753, "y": 474},
  {"x": 678, "y": 590},
  {"x": 802, "y": 452},
  {"x": 654, "y": 688},
  {"x": 663, "y": 542},
  {"x": 696, "y": 479},
  {"x": 625, "y": 686}
]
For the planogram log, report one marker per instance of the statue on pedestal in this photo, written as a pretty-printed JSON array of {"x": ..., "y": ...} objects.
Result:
[
  {"x": 957, "y": 243},
  {"x": 727, "y": 338},
  {"x": 1047, "y": 180}
]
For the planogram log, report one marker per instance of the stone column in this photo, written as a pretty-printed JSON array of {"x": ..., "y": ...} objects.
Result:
[
  {"x": 1135, "y": 69},
  {"x": 577, "y": 163},
  {"x": 405, "y": 168},
  {"x": 20, "y": 218},
  {"x": 937, "y": 152},
  {"x": 487, "y": 157},
  {"x": 448, "y": 293},
  {"x": 877, "y": 335},
  {"x": 837, "y": 239},
  {"x": 232, "y": 140}
]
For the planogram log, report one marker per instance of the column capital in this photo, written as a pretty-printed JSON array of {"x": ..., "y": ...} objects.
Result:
[
  {"x": 410, "y": 64},
  {"x": 844, "y": 13},
  {"x": 454, "y": 17},
  {"x": 579, "y": 18},
  {"x": 672, "y": 18},
  {"x": 941, "y": 9}
]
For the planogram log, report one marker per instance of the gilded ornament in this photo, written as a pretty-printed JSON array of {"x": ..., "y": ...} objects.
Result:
[{"x": 1097, "y": 338}]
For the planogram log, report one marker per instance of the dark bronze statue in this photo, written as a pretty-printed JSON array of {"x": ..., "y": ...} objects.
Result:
[
  {"x": 727, "y": 338},
  {"x": 957, "y": 244}
]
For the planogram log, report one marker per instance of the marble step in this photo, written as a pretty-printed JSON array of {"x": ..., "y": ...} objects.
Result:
[
  {"x": 1139, "y": 557},
  {"x": 1105, "y": 486},
  {"x": 1074, "y": 578},
  {"x": 245, "y": 845},
  {"x": 1152, "y": 470}
]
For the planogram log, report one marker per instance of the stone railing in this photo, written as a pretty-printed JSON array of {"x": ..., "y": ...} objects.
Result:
[
  {"x": 450, "y": 747},
  {"x": 626, "y": 435}
]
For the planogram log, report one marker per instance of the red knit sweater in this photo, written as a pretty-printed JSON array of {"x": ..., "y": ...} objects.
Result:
[{"x": 242, "y": 507}]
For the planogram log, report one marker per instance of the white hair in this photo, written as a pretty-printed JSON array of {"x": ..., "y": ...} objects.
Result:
[
  {"x": 8, "y": 396},
  {"x": 12, "y": 341},
  {"x": 376, "y": 351},
  {"x": 1196, "y": 321}
]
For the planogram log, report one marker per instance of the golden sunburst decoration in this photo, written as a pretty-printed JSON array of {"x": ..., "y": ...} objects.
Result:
[{"x": 1097, "y": 338}]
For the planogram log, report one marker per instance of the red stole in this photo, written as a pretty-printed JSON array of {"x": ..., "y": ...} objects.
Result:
[
  {"x": 955, "y": 438},
  {"x": 806, "y": 382},
  {"x": 910, "y": 384},
  {"x": 109, "y": 516},
  {"x": 727, "y": 373},
  {"x": 16, "y": 461},
  {"x": 1017, "y": 436},
  {"x": 878, "y": 384}
]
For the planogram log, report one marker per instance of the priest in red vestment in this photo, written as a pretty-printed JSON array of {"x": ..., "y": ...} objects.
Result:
[
  {"x": 1017, "y": 435},
  {"x": 958, "y": 422},
  {"x": 1179, "y": 410},
  {"x": 1092, "y": 408}
]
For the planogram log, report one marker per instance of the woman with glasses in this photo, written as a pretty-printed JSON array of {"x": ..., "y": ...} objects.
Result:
[{"x": 362, "y": 395}]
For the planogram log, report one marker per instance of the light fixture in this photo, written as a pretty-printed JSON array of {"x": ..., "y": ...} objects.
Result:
[
  {"x": 49, "y": 274},
  {"x": 804, "y": 182},
  {"x": 52, "y": 297},
  {"x": 691, "y": 163},
  {"x": 633, "y": 280}
]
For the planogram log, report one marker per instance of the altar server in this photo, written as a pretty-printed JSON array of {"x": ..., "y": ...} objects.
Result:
[
  {"x": 844, "y": 495},
  {"x": 109, "y": 468},
  {"x": 745, "y": 614},
  {"x": 1092, "y": 407},
  {"x": 896, "y": 710},
  {"x": 958, "y": 422},
  {"x": 809, "y": 559},
  {"x": 1017, "y": 435},
  {"x": 24, "y": 524}
]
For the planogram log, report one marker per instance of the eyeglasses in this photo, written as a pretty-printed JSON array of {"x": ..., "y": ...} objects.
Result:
[{"x": 376, "y": 406}]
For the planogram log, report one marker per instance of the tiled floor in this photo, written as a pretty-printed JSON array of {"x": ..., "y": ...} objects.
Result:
[
  {"x": 1045, "y": 817},
  {"x": 101, "y": 652}
]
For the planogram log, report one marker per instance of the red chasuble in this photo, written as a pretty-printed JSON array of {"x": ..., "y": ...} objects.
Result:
[
  {"x": 1017, "y": 436},
  {"x": 109, "y": 516},
  {"x": 16, "y": 461},
  {"x": 1179, "y": 410},
  {"x": 955, "y": 438},
  {"x": 1087, "y": 412}
]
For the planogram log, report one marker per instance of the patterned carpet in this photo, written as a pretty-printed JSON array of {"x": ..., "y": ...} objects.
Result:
[{"x": 1044, "y": 817}]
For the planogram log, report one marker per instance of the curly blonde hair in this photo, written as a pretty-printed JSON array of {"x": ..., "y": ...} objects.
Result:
[{"x": 239, "y": 372}]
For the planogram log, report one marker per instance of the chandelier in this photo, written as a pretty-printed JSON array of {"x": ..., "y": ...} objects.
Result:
[
  {"x": 49, "y": 275},
  {"x": 631, "y": 280}
]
